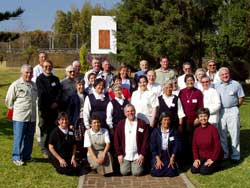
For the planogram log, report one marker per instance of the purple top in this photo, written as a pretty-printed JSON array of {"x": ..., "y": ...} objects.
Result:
[{"x": 192, "y": 100}]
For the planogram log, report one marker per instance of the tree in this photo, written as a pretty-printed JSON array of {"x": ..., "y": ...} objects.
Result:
[{"x": 8, "y": 36}]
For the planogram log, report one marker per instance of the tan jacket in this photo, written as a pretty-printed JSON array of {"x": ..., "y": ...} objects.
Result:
[{"x": 21, "y": 97}]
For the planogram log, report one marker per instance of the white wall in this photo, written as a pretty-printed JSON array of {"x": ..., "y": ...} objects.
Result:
[{"x": 102, "y": 23}]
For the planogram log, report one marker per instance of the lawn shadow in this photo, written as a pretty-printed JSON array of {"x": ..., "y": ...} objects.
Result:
[
  {"x": 244, "y": 150},
  {"x": 40, "y": 160},
  {"x": 6, "y": 127}
]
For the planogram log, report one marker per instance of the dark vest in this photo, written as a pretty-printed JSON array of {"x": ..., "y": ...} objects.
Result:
[
  {"x": 118, "y": 112},
  {"x": 98, "y": 108},
  {"x": 172, "y": 110}
]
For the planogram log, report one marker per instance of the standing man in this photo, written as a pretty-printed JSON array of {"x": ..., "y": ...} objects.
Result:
[
  {"x": 38, "y": 69},
  {"x": 187, "y": 69},
  {"x": 143, "y": 71},
  {"x": 77, "y": 66},
  {"x": 107, "y": 75},
  {"x": 21, "y": 97},
  {"x": 231, "y": 96},
  {"x": 49, "y": 102},
  {"x": 212, "y": 73},
  {"x": 96, "y": 68},
  {"x": 164, "y": 73},
  {"x": 131, "y": 143}
]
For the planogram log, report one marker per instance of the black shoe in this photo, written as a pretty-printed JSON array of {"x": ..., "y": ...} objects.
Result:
[{"x": 235, "y": 161}]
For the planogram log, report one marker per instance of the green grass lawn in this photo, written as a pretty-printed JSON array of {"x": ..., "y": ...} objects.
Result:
[{"x": 41, "y": 174}]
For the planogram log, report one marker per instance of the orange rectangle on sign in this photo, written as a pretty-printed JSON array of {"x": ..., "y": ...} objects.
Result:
[{"x": 104, "y": 39}]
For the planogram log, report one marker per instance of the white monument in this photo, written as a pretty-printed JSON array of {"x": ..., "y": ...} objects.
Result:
[{"x": 103, "y": 39}]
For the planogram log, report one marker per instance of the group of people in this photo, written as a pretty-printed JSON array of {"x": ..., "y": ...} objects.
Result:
[{"x": 131, "y": 125}]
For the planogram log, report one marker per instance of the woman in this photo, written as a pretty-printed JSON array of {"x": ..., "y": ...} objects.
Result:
[
  {"x": 145, "y": 102},
  {"x": 96, "y": 104},
  {"x": 206, "y": 145},
  {"x": 125, "y": 92},
  {"x": 97, "y": 141},
  {"x": 199, "y": 73},
  {"x": 211, "y": 100},
  {"x": 164, "y": 146},
  {"x": 171, "y": 104},
  {"x": 75, "y": 113},
  {"x": 127, "y": 82},
  {"x": 191, "y": 99},
  {"x": 62, "y": 148}
]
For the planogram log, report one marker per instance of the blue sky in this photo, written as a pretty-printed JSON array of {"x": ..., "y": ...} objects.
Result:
[{"x": 40, "y": 14}]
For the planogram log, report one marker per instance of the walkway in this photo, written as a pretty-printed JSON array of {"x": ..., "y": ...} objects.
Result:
[{"x": 147, "y": 181}]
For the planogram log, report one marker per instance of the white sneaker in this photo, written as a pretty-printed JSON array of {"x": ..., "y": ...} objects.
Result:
[{"x": 18, "y": 162}]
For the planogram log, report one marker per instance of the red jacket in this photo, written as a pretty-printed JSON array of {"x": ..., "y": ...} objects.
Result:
[{"x": 142, "y": 138}]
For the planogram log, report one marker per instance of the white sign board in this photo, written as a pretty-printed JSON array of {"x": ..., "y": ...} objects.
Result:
[{"x": 103, "y": 39}]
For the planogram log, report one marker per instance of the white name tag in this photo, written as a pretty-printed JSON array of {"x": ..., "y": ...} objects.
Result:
[
  {"x": 194, "y": 101},
  {"x": 171, "y": 138},
  {"x": 71, "y": 133},
  {"x": 141, "y": 130},
  {"x": 231, "y": 93},
  {"x": 53, "y": 84},
  {"x": 173, "y": 105}
]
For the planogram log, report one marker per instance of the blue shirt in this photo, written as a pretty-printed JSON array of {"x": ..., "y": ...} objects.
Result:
[{"x": 229, "y": 93}]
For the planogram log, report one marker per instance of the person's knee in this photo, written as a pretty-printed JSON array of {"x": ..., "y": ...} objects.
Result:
[
  {"x": 124, "y": 172},
  {"x": 137, "y": 172},
  {"x": 195, "y": 170},
  {"x": 205, "y": 170}
]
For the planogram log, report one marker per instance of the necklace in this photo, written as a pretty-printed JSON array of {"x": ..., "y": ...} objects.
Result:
[{"x": 189, "y": 97}]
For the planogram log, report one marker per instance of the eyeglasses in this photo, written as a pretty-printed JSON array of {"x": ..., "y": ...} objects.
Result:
[
  {"x": 71, "y": 71},
  {"x": 204, "y": 82},
  {"x": 213, "y": 65}
]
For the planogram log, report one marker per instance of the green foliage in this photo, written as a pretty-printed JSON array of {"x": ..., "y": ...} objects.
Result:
[
  {"x": 28, "y": 53},
  {"x": 83, "y": 58},
  {"x": 7, "y": 36}
]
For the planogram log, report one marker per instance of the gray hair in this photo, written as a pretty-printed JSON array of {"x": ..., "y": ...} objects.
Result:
[
  {"x": 168, "y": 82},
  {"x": 127, "y": 106},
  {"x": 26, "y": 66},
  {"x": 224, "y": 68},
  {"x": 69, "y": 68},
  {"x": 76, "y": 62}
]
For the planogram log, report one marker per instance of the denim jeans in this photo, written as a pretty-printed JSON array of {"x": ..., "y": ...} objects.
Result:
[{"x": 23, "y": 140}]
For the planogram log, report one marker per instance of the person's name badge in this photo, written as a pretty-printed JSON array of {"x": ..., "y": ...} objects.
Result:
[
  {"x": 231, "y": 93},
  {"x": 71, "y": 133},
  {"x": 194, "y": 101},
  {"x": 173, "y": 105},
  {"x": 141, "y": 130},
  {"x": 53, "y": 84},
  {"x": 171, "y": 138}
]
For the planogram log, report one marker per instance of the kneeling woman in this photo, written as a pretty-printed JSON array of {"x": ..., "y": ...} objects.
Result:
[
  {"x": 97, "y": 141},
  {"x": 62, "y": 148},
  {"x": 164, "y": 146},
  {"x": 206, "y": 145}
]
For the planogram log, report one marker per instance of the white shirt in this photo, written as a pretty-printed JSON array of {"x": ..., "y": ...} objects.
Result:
[
  {"x": 169, "y": 102},
  {"x": 36, "y": 72},
  {"x": 211, "y": 100},
  {"x": 214, "y": 78},
  {"x": 110, "y": 109},
  {"x": 131, "y": 153},
  {"x": 181, "y": 81},
  {"x": 144, "y": 103},
  {"x": 87, "y": 108},
  {"x": 198, "y": 86},
  {"x": 155, "y": 88},
  {"x": 102, "y": 131},
  {"x": 126, "y": 84},
  {"x": 164, "y": 136}
]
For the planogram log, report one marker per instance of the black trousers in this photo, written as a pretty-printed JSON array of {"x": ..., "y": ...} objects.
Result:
[{"x": 205, "y": 170}]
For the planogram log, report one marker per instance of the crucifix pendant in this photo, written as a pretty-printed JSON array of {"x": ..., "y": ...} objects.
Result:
[{"x": 187, "y": 101}]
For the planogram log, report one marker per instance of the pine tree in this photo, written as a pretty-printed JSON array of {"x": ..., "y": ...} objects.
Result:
[{"x": 8, "y": 36}]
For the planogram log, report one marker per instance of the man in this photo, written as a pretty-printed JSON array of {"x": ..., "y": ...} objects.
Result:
[
  {"x": 68, "y": 85},
  {"x": 96, "y": 68},
  {"x": 152, "y": 85},
  {"x": 21, "y": 97},
  {"x": 49, "y": 102},
  {"x": 107, "y": 75},
  {"x": 131, "y": 143},
  {"x": 77, "y": 66},
  {"x": 211, "y": 71},
  {"x": 187, "y": 69},
  {"x": 38, "y": 69},
  {"x": 144, "y": 68},
  {"x": 164, "y": 73},
  {"x": 231, "y": 96}
]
